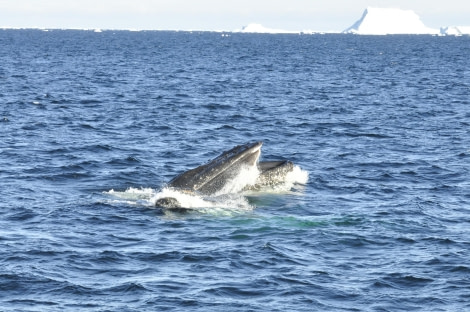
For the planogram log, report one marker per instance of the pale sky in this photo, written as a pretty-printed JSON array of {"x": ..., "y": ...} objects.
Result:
[{"x": 296, "y": 15}]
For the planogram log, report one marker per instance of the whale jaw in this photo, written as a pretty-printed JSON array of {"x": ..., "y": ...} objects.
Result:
[{"x": 212, "y": 177}]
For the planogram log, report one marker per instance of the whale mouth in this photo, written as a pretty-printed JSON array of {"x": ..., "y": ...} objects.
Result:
[{"x": 213, "y": 176}]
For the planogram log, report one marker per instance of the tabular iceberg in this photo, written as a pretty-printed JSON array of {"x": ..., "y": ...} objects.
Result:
[
  {"x": 385, "y": 21},
  {"x": 260, "y": 29}
]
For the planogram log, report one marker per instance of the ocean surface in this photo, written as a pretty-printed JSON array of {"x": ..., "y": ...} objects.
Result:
[{"x": 94, "y": 124}]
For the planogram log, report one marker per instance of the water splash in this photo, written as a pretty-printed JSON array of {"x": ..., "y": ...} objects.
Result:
[
  {"x": 131, "y": 196},
  {"x": 205, "y": 204},
  {"x": 297, "y": 176},
  {"x": 246, "y": 176},
  {"x": 230, "y": 199}
]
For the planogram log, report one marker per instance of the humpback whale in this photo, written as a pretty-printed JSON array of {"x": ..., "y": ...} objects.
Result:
[{"x": 213, "y": 177}]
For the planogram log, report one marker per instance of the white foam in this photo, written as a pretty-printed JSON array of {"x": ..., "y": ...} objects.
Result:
[
  {"x": 297, "y": 176},
  {"x": 229, "y": 200},
  {"x": 132, "y": 196},
  {"x": 246, "y": 176},
  {"x": 231, "y": 203},
  {"x": 186, "y": 200},
  {"x": 206, "y": 204},
  {"x": 132, "y": 192}
]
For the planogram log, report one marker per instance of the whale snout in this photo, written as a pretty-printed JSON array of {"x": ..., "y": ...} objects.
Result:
[{"x": 168, "y": 202}]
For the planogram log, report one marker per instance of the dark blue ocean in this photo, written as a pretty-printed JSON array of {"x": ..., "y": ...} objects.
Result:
[{"x": 93, "y": 125}]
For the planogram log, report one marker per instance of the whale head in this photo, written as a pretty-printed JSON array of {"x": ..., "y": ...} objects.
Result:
[{"x": 212, "y": 177}]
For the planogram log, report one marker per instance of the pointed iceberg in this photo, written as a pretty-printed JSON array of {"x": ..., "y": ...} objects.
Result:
[
  {"x": 388, "y": 21},
  {"x": 455, "y": 30}
]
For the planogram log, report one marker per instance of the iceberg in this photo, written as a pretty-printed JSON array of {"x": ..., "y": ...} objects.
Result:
[
  {"x": 455, "y": 30},
  {"x": 388, "y": 21},
  {"x": 260, "y": 29}
]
